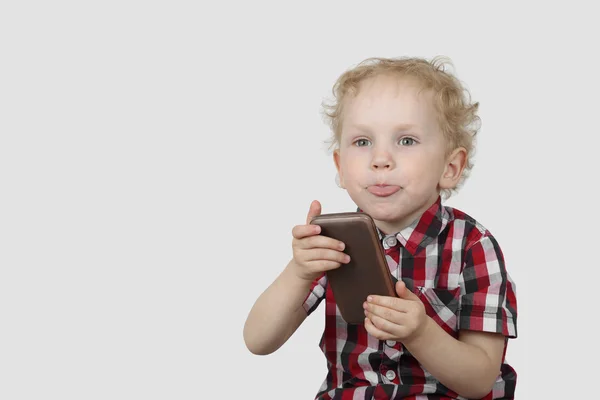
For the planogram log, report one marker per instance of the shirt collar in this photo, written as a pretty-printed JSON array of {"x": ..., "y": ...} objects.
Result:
[{"x": 422, "y": 231}]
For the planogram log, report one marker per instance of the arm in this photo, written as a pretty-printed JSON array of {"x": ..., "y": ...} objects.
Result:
[
  {"x": 277, "y": 313},
  {"x": 469, "y": 366}
]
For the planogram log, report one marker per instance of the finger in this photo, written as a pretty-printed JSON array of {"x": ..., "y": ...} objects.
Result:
[
  {"x": 389, "y": 302},
  {"x": 384, "y": 326},
  {"x": 404, "y": 292},
  {"x": 376, "y": 332},
  {"x": 320, "y": 242},
  {"x": 326, "y": 255},
  {"x": 388, "y": 314},
  {"x": 313, "y": 211},
  {"x": 303, "y": 231},
  {"x": 322, "y": 265}
]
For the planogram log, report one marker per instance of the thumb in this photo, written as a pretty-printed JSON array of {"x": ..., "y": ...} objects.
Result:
[
  {"x": 314, "y": 210},
  {"x": 404, "y": 292}
]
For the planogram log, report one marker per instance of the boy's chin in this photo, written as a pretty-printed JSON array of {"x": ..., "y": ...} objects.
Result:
[
  {"x": 389, "y": 213},
  {"x": 383, "y": 212}
]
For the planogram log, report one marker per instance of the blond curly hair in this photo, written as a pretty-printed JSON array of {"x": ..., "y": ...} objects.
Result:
[{"x": 457, "y": 115}]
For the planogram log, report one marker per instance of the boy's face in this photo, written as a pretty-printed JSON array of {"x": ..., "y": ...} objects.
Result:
[{"x": 392, "y": 155}]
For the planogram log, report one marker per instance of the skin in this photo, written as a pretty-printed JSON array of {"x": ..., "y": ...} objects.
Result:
[{"x": 389, "y": 137}]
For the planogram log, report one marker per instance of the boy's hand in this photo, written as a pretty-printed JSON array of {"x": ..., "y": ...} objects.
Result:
[
  {"x": 400, "y": 319},
  {"x": 313, "y": 253}
]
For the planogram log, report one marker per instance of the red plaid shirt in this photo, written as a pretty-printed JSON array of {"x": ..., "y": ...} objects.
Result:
[{"x": 456, "y": 268}]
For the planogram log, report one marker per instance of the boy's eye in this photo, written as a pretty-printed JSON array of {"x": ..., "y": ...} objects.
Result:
[
  {"x": 407, "y": 141},
  {"x": 362, "y": 142}
]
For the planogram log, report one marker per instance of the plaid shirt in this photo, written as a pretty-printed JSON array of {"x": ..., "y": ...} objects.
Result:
[{"x": 457, "y": 269}]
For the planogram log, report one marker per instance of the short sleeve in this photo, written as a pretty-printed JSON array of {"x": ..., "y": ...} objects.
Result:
[
  {"x": 316, "y": 294},
  {"x": 488, "y": 297}
]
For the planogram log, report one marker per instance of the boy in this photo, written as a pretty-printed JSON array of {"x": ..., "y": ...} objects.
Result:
[{"x": 403, "y": 137}]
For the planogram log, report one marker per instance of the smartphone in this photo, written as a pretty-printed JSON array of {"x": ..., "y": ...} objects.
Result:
[{"x": 367, "y": 272}]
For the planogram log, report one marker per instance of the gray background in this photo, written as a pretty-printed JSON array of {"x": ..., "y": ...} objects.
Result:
[{"x": 155, "y": 156}]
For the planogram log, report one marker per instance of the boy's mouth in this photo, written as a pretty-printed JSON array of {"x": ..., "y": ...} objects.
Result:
[{"x": 383, "y": 190}]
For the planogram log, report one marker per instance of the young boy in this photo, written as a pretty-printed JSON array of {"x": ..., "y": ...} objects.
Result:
[{"x": 403, "y": 139}]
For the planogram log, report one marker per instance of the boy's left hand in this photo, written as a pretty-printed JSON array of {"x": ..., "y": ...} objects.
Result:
[{"x": 390, "y": 318}]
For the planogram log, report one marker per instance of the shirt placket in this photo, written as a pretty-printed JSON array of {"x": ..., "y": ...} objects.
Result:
[
  {"x": 389, "y": 365},
  {"x": 391, "y": 350}
]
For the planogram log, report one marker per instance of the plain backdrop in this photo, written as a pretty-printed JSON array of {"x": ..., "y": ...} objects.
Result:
[{"x": 154, "y": 157}]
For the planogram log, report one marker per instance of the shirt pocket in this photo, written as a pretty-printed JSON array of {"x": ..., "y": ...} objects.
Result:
[{"x": 442, "y": 306}]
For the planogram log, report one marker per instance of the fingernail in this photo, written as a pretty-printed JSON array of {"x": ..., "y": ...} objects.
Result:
[
  {"x": 341, "y": 246},
  {"x": 369, "y": 299},
  {"x": 347, "y": 258}
]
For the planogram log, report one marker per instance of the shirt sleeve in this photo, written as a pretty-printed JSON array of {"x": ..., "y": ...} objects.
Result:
[
  {"x": 316, "y": 294},
  {"x": 488, "y": 297}
]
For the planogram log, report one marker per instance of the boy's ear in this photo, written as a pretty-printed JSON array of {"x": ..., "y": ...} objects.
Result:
[
  {"x": 455, "y": 164},
  {"x": 336, "y": 160}
]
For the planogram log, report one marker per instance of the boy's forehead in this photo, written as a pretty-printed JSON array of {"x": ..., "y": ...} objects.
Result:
[
  {"x": 390, "y": 96},
  {"x": 393, "y": 85}
]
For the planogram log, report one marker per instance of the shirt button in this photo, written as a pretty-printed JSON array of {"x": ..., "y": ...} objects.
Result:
[
  {"x": 391, "y": 241},
  {"x": 390, "y": 375},
  {"x": 390, "y": 343}
]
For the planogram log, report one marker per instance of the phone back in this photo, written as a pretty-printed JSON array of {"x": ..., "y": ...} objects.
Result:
[{"x": 367, "y": 272}]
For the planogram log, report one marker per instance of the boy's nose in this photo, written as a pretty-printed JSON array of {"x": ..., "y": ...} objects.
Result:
[
  {"x": 381, "y": 165},
  {"x": 382, "y": 160}
]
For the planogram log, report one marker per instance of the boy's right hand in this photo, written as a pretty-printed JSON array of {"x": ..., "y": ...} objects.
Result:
[{"x": 313, "y": 253}]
